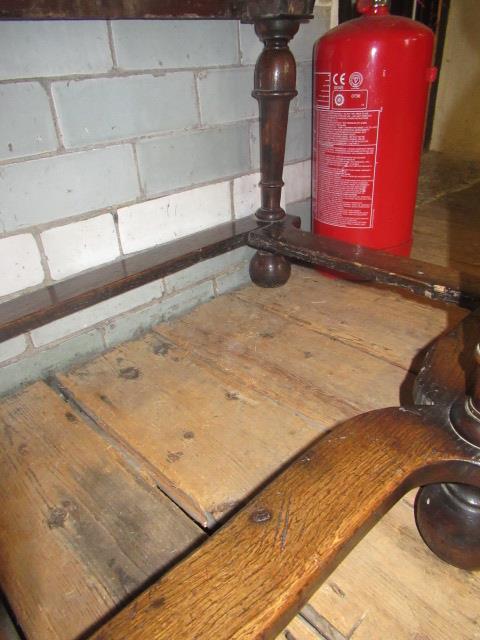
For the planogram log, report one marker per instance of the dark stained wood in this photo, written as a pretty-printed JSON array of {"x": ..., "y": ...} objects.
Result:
[
  {"x": 274, "y": 88},
  {"x": 251, "y": 576},
  {"x": 50, "y": 303},
  {"x": 421, "y": 278},
  {"x": 448, "y": 515},
  {"x": 246, "y": 10},
  {"x": 80, "y": 531}
]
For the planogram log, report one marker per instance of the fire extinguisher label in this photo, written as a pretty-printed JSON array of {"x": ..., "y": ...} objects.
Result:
[{"x": 346, "y": 140}]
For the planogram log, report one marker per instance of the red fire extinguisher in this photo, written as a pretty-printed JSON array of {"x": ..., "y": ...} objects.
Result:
[{"x": 371, "y": 82}]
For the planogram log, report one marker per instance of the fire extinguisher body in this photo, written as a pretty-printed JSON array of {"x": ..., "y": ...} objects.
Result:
[{"x": 371, "y": 82}]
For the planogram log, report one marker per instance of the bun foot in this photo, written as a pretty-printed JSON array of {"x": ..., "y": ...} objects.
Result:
[
  {"x": 269, "y": 270},
  {"x": 448, "y": 519}
]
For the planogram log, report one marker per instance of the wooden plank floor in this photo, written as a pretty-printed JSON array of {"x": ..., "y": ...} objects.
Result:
[
  {"x": 79, "y": 531},
  {"x": 206, "y": 408}
]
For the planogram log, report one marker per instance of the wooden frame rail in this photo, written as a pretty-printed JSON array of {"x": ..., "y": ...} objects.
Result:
[
  {"x": 421, "y": 278},
  {"x": 50, "y": 303},
  {"x": 245, "y": 10},
  {"x": 250, "y": 578}
]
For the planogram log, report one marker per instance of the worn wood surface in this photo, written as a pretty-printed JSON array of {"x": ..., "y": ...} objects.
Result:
[
  {"x": 79, "y": 531},
  {"x": 154, "y": 9},
  {"x": 44, "y": 305},
  {"x": 393, "y": 326},
  {"x": 447, "y": 229},
  {"x": 420, "y": 278},
  {"x": 391, "y": 586},
  {"x": 255, "y": 572},
  {"x": 288, "y": 361},
  {"x": 208, "y": 441}
]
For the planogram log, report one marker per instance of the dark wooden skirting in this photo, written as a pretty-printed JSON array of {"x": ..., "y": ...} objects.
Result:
[
  {"x": 50, "y": 303},
  {"x": 246, "y": 10},
  {"x": 421, "y": 278}
]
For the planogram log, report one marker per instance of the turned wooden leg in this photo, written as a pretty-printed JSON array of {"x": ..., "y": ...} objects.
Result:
[
  {"x": 448, "y": 515},
  {"x": 274, "y": 88}
]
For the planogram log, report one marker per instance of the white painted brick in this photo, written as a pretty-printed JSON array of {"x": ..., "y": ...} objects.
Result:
[
  {"x": 226, "y": 95},
  {"x": 80, "y": 245},
  {"x": 12, "y": 348},
  {"x": 246, "y": 195},
  {"x": 174, "y": 44},
  {"x": 157, "y": 221},
  {"x": 97, "y": 313},
  {"x": 40, "y": 48},
  {"x": 26, "y": 123},
  {"x": 49, "y": 189},
  {"x": 102, "y": 109},
  {"x": 297, "y": 179},
  {"x": 20, "y": 265}
]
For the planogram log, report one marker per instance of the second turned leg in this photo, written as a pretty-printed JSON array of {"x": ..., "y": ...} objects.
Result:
[{"x": 274, "y": 88}]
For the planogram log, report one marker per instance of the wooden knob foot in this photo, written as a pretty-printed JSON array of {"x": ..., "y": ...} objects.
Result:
[
  {"x": 448, "y": 519},
  {"x": 269, "y": 270}
]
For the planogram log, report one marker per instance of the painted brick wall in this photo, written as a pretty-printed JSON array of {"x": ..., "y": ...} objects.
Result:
[{"x": 118, "y": 136}]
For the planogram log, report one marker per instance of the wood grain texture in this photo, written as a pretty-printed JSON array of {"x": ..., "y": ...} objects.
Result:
[
  {"x": 421, "y": 278},
  {"x": 79, "y": 532},
  {"x": 284, "y": 360},
  {"x": 449, "y": 363},
  {"x": 31, "y": 310},
  {"x": 209, "y": 442},
  {"x": 447, "y": 229},
  {"x": 299, "y": 629},
  {"x": 154, "y": 9},
  {"x": 392, "y": 586},
  {"x": 250, "y": 577},
  {"x": 390, "y": 325}
]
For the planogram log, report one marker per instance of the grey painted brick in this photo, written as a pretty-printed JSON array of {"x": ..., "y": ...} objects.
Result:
[
  {"x": 97, "y": 313},
  {"x": 225, "y": 95},
  {"x": 299, "y": 138},
  {"x": 135, "y": 323},
  {"x": 101, "y": 109},
  {"x": 48, "y": 189},
  {"x": 207, "y": 269},
  {"x": 303, "y": 209},
  {"x": 12, "y": 348},
  {"x": 42, "y": 363},
  {"x": 301, "y": 45},
  {"x": 304, "y": 87},
  {"x": 51, "y": 48},
  {"x": 26, "y": 124},
  {"x": 233, "y": 280},
  {"x": 186, "y": 159},
  {"x": 303, "y": 42},
  {"x": 174, "y": 44}
]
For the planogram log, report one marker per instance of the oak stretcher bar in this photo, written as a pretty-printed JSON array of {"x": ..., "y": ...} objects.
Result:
[{"x": 270, "y": 557}]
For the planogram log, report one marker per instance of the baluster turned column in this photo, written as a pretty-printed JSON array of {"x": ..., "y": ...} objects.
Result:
[
  {"x": 448, "y": 515},
  {"x": 274, "y": 88}
]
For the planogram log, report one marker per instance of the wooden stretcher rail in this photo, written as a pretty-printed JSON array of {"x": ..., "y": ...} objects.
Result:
[
  {"x": 421, "y": 278},
  {"x": 246, "y": 10},
  {"x": 254, "y": 574},
  {"x": 55, "y": 301}
]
